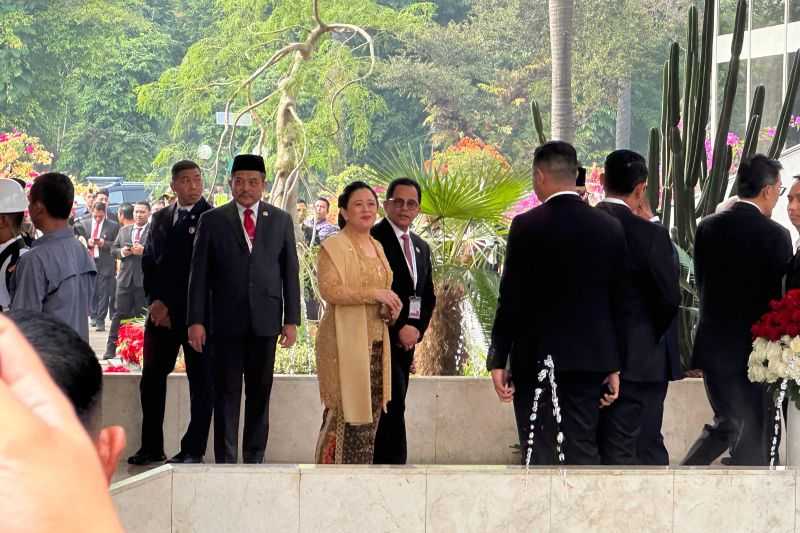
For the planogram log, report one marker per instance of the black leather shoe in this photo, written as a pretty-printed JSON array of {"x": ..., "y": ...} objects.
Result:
[
  {"x": 109, "y": 355},
  {"x": 142, "y": 458},
  {"x": 100, "y": 327},
  {"x": 93, "y": 323},
  {"x": 185, "y": 458}
]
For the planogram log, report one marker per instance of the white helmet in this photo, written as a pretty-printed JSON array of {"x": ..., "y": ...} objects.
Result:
[{"x": 12, "y": 197}]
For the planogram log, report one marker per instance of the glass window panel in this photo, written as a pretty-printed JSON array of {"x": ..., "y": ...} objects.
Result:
[
  {"x": 738, "y": 115},
  {"x": 768, "y": 71},
  {"x": 794, "y": 10},
  {"x": 793, "y": 134},
  {"x": 727, "y": 16},
  {"x": 767, "y": 13}
]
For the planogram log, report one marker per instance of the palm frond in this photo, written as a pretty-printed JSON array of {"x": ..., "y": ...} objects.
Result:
[{"x": 484, "y": 194}]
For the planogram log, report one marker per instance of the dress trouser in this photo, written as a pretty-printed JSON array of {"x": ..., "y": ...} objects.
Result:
[
  {"x": 579, "y": 398},
  {"x": 253, "y": 357},
  {"x": 741, "y": 410},
  {"x": 104, "y": 297},
  {"x": 130, "y": 303},
  {"x": 391, "y": 447},
  {"x": 650, "y": 447},
  {"x": 160, "y": 353},
  {"x": 620, "y": 425}
]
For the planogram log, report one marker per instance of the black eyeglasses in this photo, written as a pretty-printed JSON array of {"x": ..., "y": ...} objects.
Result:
[{"x": 400, "y": 203}]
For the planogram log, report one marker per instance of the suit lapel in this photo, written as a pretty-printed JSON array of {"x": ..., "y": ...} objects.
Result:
[
  {"x": 262, "y": 226},
  {"x": 421, "y": 264},
  {"x": 395, "y": 249},
  {"x": 232, "y": 214}
]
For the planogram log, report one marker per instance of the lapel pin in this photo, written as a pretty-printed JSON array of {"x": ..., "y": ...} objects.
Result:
[
  {"x": 192, "y": 217},
  {"x": 418, "y": 250},
  {"x": 191, "y": 230},
  {"x": 264, "y": 214}
]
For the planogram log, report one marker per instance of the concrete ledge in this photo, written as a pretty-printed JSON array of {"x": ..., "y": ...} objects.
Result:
[
  {"x": 450, "y": 420},
  {"x": 464, "y": 499}
]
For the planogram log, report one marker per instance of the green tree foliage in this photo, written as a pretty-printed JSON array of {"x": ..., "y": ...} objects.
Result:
[
  {"x": 69, "y": 72},
  {"x": 244, "y": 37}
]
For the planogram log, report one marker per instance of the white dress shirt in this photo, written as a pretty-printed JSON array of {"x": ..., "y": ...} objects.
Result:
[
  {"x": 96, "y": 249},
  {"x": 178, "y": 207},
  {"x": 749, "y": 202},
  {"x": 615, "y": 201},
  {"x": 562, "y": 193},
  {"x": 399, "y": 234},
  {"x": 255, "y": 207}
]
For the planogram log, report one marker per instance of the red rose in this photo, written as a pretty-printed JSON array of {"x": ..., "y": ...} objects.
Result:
[{"x": 793, "y": 330}]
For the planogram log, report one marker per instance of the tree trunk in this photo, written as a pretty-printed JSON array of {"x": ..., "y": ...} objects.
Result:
[
  {"x": 441, "y": 352},
  {"x": 561, "y": 34},
  {"x": 623, "y": 133}
]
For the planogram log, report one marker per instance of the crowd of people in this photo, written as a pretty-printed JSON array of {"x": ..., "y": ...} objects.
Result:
[
  {"x": 594, "y": 289},
  {"x": 597, "y": 290}
]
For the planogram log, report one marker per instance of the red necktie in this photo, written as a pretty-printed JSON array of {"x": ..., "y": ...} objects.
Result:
[
  {"x": 96, "y": 230},
  {"x": 249, "y": 225},
  {"x": 138, "y": 235},
  {"x": 407, "y": 251}
]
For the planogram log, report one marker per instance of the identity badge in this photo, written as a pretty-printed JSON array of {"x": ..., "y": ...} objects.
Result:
[{"x": 414, "y": 308}]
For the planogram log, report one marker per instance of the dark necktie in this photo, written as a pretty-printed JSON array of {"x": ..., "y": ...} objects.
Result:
[
  {"x": 138, "y": 236},
  {"x": 182, "y": 214}
]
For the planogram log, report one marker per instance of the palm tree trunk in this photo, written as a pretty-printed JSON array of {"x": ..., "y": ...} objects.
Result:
[
  {"x": 561, "y": 34},
  {"x": 623, "y": 126},
  {"x": 441, "y": 352}
]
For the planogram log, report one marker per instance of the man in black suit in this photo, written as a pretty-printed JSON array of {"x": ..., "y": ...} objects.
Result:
[
  {"x": 410, "y": 259},
  {"x": 244, "y": 290},
  {"x": 102, "y": 232},
  {"x": 653, "y": 298},
  {"x": 740, "y": 259},
  {"x": 561, "y": 295},
  {"x": 793, "y": 210},
  {"x": 165, "y": 267},
  {"x": 128, "y": 248}
]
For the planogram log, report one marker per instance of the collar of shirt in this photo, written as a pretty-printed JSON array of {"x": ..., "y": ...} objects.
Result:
[
  {"x": 562, "y": 193},
  {"x": 64, "y": 233},
  {"x": 255, "y": 207},
  {"x": 616, "y": 201},
  {"x": 140, "y": 228},
  {"x": 749, "y": 202},
  {"x": 397, "y": 231}
]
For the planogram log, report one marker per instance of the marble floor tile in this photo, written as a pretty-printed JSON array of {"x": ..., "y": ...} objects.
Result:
[
  {"x": 476, "y": 502},
  {"x": 739, "y": 501},
  {"x": 611, "y": 501},
  {"x": 145, "y": 505},
  {"x": 235, "y": 499},
  {"x": 365, "y": 500}
]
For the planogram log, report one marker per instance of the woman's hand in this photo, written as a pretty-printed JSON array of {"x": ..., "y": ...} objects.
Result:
[{"x": 390, "y": 300}]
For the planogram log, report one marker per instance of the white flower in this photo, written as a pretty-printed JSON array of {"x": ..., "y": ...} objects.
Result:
[{"x": 795, "y": 345}]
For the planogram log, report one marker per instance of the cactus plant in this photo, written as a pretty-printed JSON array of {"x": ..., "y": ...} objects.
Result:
[{"x": 681, "y": 152}]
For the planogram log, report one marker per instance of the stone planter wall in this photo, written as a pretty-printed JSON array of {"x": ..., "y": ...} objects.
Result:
[{"x": 450, "y": 420}]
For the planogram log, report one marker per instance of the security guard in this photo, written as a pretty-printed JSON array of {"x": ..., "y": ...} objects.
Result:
[{"x": 13, "y": 204}]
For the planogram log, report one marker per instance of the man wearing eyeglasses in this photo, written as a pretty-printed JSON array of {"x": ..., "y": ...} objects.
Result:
[
  {"x": 410, "y": 259},
  {"x": 740, "y": 259}
]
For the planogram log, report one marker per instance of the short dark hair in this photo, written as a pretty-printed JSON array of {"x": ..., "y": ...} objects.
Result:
[
  {"x": 323, "y": 199},
  {"x": 180, "y": 166},
  {"x": 15, "y": 219},
  {"x": 55, "y": 192},
  {"x": 126, "y": 210},
  {"x": 408, "y": 182},
  {"x": 104, "y": 192},
  {"x": 99, "y": 206},
  {"x": 144, "y": 203},
  {"x": 756, "y": 173},
  {"x": 559, "y": 156},
  {"x": 624, "y": 170},
  {"x": 344, "y": 198},
  {"x": 69, "y": 359},
  {"x": 301, "y": 201}
]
